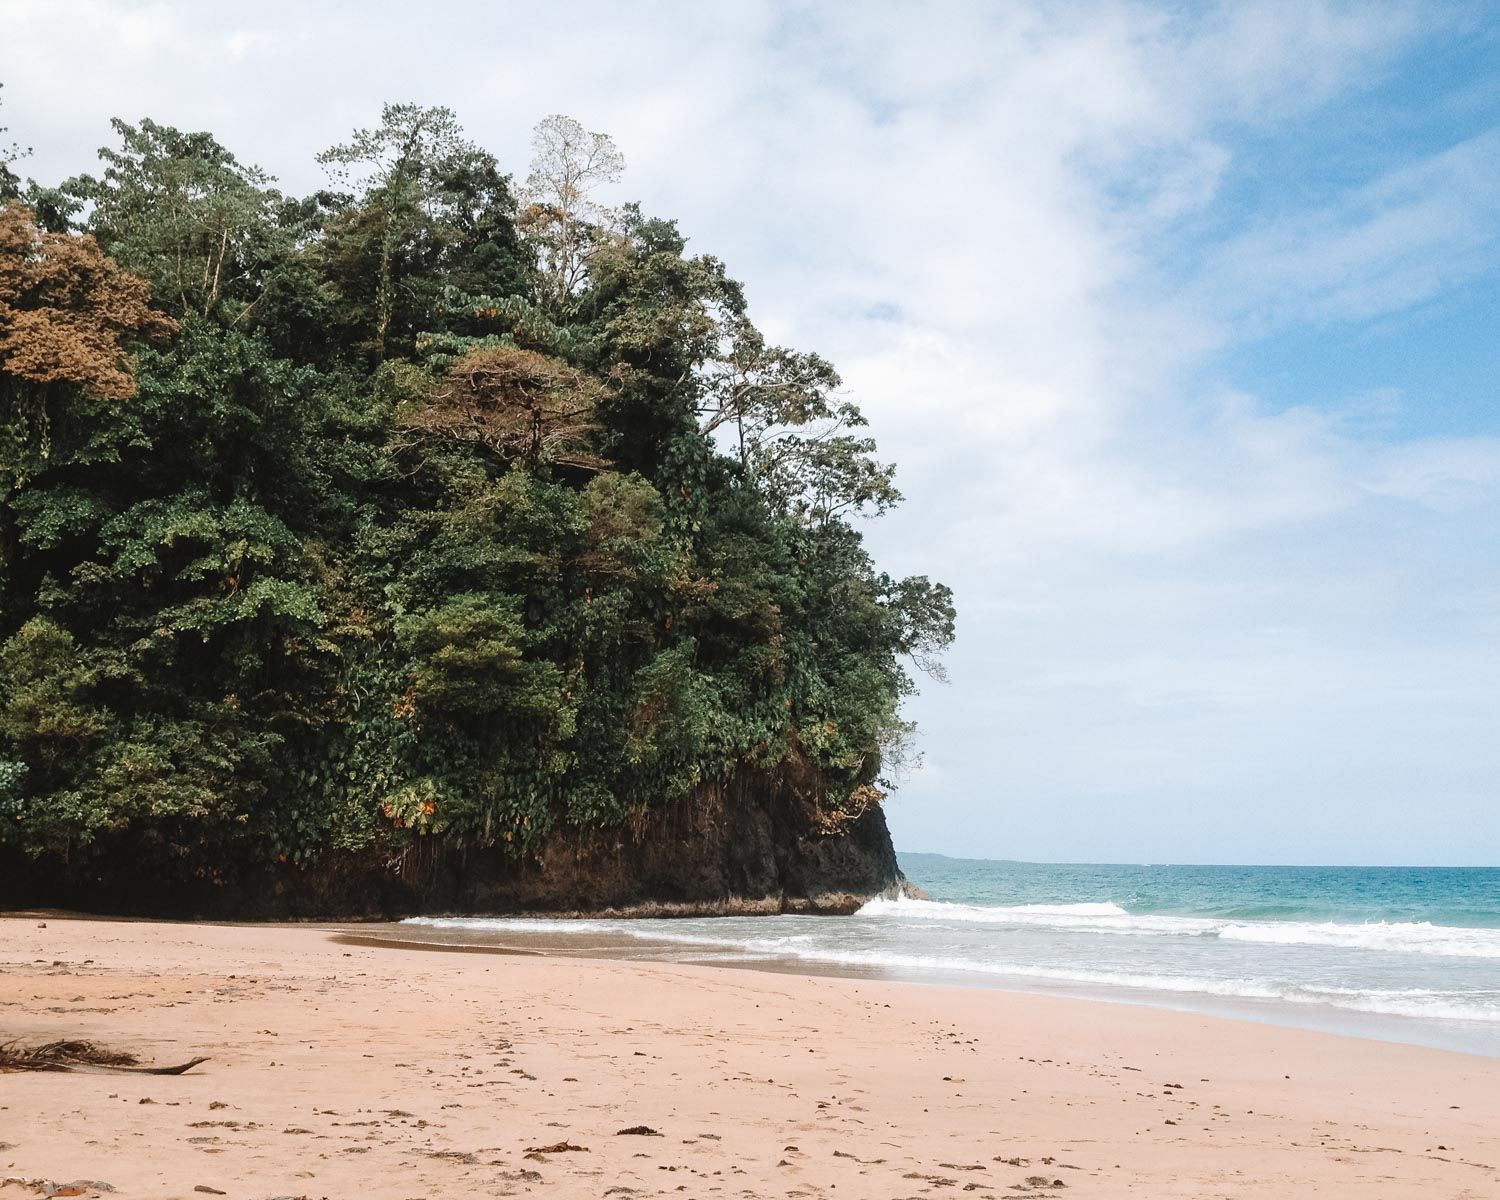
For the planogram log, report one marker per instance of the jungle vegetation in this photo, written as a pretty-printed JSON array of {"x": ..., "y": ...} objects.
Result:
[{"x": 431, "y": 503}]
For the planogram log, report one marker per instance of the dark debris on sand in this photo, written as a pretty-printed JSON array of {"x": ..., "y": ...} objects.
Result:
[
  {"x": 80, "y": 1056},
  {"x": 61, "y": 1056}
]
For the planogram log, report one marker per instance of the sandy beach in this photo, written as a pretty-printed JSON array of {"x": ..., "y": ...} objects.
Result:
[{"x": 341, "y": 1069}]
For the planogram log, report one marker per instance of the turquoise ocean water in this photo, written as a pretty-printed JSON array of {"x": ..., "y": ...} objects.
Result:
[{"x": 1403, "y": 954}]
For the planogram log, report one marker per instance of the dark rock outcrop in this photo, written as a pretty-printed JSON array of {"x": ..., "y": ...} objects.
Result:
[{"x": 759, "y": 843}]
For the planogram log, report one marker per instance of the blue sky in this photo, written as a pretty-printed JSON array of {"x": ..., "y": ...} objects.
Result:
[{"x": 1178, "y": 319}]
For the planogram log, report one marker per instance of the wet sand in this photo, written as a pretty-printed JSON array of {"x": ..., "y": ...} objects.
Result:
[{"x": 344, "y": 1068}]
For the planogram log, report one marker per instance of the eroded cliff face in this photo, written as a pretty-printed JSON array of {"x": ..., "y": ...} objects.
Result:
[
  {"x": 751, "y": 846},
  {"x": 759, "y": 843}
]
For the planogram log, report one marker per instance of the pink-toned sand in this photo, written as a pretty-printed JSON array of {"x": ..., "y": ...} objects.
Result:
[{"x": 355, "y": 1071}]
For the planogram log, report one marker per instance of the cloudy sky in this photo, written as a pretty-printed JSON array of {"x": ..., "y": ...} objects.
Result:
[{"x": 1180, "y": 320}]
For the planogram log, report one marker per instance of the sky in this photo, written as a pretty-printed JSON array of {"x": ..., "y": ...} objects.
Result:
[{"x": 1180, "y": 321}]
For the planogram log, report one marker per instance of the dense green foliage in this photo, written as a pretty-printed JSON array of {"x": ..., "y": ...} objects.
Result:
[{"x": 428, "y": 508}]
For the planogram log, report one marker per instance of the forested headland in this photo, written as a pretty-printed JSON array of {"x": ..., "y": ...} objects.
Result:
[{"x": 433, "y": 514}]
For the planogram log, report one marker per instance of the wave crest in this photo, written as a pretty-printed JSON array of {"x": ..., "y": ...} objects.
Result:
[
  {"x": 943, "y": 910},
  {"x": 1395, "y": 937},
  {"x": 1401, "y": 937}
]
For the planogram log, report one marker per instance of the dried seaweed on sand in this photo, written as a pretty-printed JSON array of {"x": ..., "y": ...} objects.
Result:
[{"x": 80, "y": 1056}]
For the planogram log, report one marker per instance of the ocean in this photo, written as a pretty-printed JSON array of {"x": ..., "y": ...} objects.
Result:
[{"x": 1398, "y": 953}]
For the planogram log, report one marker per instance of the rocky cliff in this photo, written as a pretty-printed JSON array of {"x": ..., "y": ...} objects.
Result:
[{"x": 759, "y": 843}]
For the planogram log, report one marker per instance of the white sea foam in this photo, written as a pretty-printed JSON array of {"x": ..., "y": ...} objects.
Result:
[
  {"x": 1082, "y": 918},
  {"x": 1402, "y": 937},
  {"x": 942, "y": 910},
  {"x": 736, "y": 944},
  {"x": 1413, "y": 937},
  {"x": 1406, "y": 1002}
]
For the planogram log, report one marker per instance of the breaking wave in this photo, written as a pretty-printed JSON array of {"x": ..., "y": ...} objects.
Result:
[{"x": 1398, "y": 937}]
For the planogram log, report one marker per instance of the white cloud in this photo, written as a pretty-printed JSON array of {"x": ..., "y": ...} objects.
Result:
[{"x": 1393, "y": 243}]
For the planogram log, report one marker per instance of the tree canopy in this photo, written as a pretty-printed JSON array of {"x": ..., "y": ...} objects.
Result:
[{"x": 406, "y": 510}]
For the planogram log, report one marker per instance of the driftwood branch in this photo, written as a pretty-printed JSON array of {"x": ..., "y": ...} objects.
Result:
[{"x": 83, "y": 1057}]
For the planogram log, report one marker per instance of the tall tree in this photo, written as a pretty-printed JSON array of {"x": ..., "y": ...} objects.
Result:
[
  {"x": 757, "y": 388},
  {"x": 67, "y": 315},
  {"x": 519, "y": 405},
  {"x": 181, "y": 210},
  {"x": 431, "y": 209},
  {"x": 569, "y": 163},
  {"x": 68, "y": 320}
]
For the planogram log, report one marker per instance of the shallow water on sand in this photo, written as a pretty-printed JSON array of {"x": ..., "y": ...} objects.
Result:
[{"x": 1404, "y": 954}]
